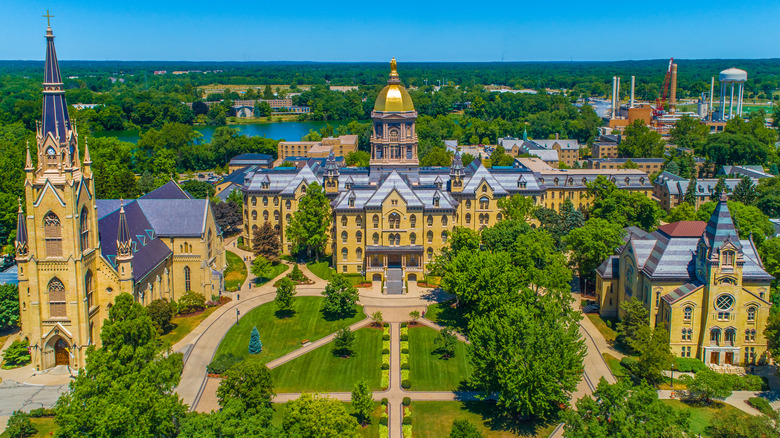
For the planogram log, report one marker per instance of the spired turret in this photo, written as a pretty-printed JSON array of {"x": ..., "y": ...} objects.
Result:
[
  {"x": 456, "y": 173},
  {"x": 21, "y": 244},
  {"x": 331, "y": 174}
]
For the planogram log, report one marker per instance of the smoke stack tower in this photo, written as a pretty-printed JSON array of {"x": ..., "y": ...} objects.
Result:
[
  {"x": 633, "y": 83},
  {"x": 673, "y": 91}
]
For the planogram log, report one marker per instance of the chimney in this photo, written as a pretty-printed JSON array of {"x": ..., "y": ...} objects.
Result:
[
  {"x": 633, "y": 83},
  {"x": 673, "y": 91},
  {"x": 617, "y": 96},
  {"x": 712, "y": 91}
]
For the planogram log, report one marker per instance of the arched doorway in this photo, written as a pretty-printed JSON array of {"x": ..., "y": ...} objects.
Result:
[
  {"x": 377, "y": 277},
  {"x": 61, "y": 353},
  {"x": 412, "y": 277}
]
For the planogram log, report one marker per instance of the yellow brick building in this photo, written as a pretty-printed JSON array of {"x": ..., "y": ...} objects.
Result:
[
  {"x": 75, "y": 254},
  {"x": 698, "y": 280}
]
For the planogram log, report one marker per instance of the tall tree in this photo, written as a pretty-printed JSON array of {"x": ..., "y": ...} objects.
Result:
[
  {"x": 285, "y": 294},
  {"x": 309, "y": 228},
  {"x": 227, "y": 215},
  {"x": 622, "y": 410},
  {"x": 127, "y": 385},
  {"x": 690, "y": 192},
  {"x": 745, "y": 192},
  {"x": 462, "y": 428},
  {"x": 529, "y": 356},
  {"x": 9, "y": 306},
  {"x": 266, "y": 243},
  {"x": 262, "y": 268},
  {"x": 321, "y": 416},
  {"x": 591, "y": 244},
  {"x": 641, "y": 142},
  {"x": 655, "y": 356},
  {"x": 362, "y": 401},
  {"x": 340, "y": 297},
  {"x": 689, "y": 133},
  {"x": 631, "y": 333},
  {"x": 516, "y": 207}
]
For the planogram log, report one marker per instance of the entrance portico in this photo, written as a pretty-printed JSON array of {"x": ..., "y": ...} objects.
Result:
[{"x": 409, "y": 258}]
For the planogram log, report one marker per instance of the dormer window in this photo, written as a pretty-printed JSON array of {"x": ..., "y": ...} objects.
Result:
[
  {"x": 484, "y": 189},
  {"x": 351, "y": 202},
  {"x": 555, "y": 181},
  {"x": 435, "y": 201},
  {"x": 728, "y": 258}
]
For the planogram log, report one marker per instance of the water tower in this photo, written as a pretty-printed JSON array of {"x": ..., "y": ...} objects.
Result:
[{"x": 734, "y": 78}]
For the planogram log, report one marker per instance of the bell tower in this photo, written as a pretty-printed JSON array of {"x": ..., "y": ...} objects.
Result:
[
  {"x": 57, "y": 238},
  {"x": 331, "y": 175},
  {"x": 394, "y": 135}
]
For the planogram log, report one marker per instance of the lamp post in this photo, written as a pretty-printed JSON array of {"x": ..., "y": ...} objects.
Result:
[
  {"x": 238, "y": 313},
  {"x": 671, "y": 379}
]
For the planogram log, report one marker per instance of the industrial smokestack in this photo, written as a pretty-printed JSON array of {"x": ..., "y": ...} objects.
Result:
[
  {"x": 617, "y": 97},
  {"x": 614, "y": 88},
  {"x": 673, "y": 91},
  {"x": 712, "y": 91},
  {"x": 633, "y": 83}
]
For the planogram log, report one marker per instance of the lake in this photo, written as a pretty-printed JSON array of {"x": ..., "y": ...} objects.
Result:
[{"x": 290, "y": 131}]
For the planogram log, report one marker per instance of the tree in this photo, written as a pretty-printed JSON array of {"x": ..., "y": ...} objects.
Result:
[
  {"x": 516, "y": 207},
  {"x": 672, "y": 167},
  {"x": 296, "y": 274},
  {"x": 161, "y": 312},
  {"x": 255, "y": 345},
  {"x": 499, "y": 157},
  {"x": 261, "y": 267},
  {"x": 249, "y": 381},
  {"x": 621, "y": 206},
  {"x": 285, "y": 294},
  {"x": 736, "y": 424},
  {"x": 683, "y": 212},
  {"x": 745, "y": 192},
  {"x": 527, "y": 355},
  {"x": 591, "y": 244},
  {"x": 445, "y": 343},
  {"x": 622, "y": 410},
  {"x": 690, "y": 192},
  {"x": 415, "y": 315},
  {"x": 358, "y": 159},
  {"x": 462, "y": 428},
  {"x": 20, "y": 426},
  {"x": 344, "y": 343},
  {"x": 631, "y": 331},
  {"x": 706, "y": 385},
  {"x": 436, "y": 156},
  {"x": 198, "y": 189},
  {"x": 720, "y": 187},
  {"x": 629, "y": 165},
  {"x": 655, "y": 356},
  {"x": 641, "y": 142},
  {"x": 127, "y": 387},
  {"x": 362, "y": 401},
  {"x": 340, "y": 297},
  {"x": 313, "y": 415},
  {"x": 462, "y": 239},
  {"x": 772, "y": 332},
  {"x": 310, "y": 225},
  {"x": 377, "y": 318},
  {"x": 9, "y": 306},
  {"x": 17, "y": 354},
  {"x": 689, "y": 133},
  {"x": 227, "y": 214},
  {"x": 265, "y": 242}
]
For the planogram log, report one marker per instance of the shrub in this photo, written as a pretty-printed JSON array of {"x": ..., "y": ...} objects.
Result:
[
  {"x": 406, "y": 384},
  {"x": 16, "y": 354},
  {"x": 405, "y": 337},
  {"x": 191, "y": 302},
  {"x": 628, "y": 363},
  {"x": 404, "y": 324},
  {"x": 255, "y": 345},
  {"x": 387, "y": 324},
  {"x": 385, "y": 351},
  {"x": 344, "y": 343},
  {"x": 20, "y": 426},
  {"x": 385, "y": 337},
  {"x": 405, "y": 366},
  {"x": 385, "y": 366},
  {"x": 384, "y": 403},
  {"x": 406, "y": 401},
  {"x": 161, "y": 312},
  {"x": 689, "y": 365},
  {"x": 296, "y": 274},
  {"x": 404, "y": 351},
  {"x": 42, "y": 412},
  {"x": 761, "y": 404},
  {"x": 222, "y": 363},
  {"x": 383, "y": 420},
  {"x": 407, "y": 420},
  {"x": 404, "y": 331}
]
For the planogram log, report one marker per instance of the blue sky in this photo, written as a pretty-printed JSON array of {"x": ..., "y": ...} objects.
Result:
[{"x": 409, "y": 30}]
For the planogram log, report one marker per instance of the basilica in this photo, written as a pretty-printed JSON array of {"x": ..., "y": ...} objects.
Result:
[
  {"x": 75, "y": 253},
  {"x": 390, "y": 219}
]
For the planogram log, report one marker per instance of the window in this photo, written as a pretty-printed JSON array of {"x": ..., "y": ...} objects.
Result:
[
  {"x": 288, "y": 218},
  {"x": 731, "y": 334},
  {"x": 484, "y": 189},
  {"x": 57, "y": 298},
  {"x": 344, "y": 254},
  {"x": 84, "y": 218},
  {"x": 429, "y": 254},
  {"x": 430, "y": 236},
  {"x": 375, "y": 219},
  {"x": 265, "y": 201},
  {"x": 468, "y": 203},
  {"x": 412, "y": 221},
  {"x": 484, "y": 203},
  {"x": 359, "y": 254},
  {"x": 276, "y": 201},
  {"x": 343, "y": 221},
  {"x": 468, "y": 218},
  {"x": 687, "y": 313},
  {"x": 728, "y": 258},
  {"x": 444, "y": 221},
  {"x": 187, "y": 280},
  {"x": 724, "y": 302},
  {"x": 359, "y": 237},
  {"x": 499, "y": 217},
  {"x": 254, "y": 201},
  {"x": 724, "y": 316},
  {"x": 443, "y": 237},
  {"x": 751, "y": 314},
  {"x": 412, "y": 239},
  {"x": 430, "y": 220},
  {"x": 393, "y": 202},
  {"x": 52, "y": 232},
  {"x": 254, "y": 215},
  {"x": 359, "y": 221},
  {"x": 88, "y": 289},
  {"x": 391, "y": 238},
  {"x": 715, "y": 335},
  {"x": 343, "y": 237},
  {"x": 288, "y": 204},
  {"x": 395, "y": 221},
  {"x": 265, "y": 215},
  {"x": 276, "y": 215},
  {"x": 376, "y": 239}
]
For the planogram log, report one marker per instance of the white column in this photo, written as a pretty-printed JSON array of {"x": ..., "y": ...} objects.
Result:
[
  {"x": 723, "y": 101},
  {"x": 731, "y": 102},
  {"x": 741, "y": 92}
]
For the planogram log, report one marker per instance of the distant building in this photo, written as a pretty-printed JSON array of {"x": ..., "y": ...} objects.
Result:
[
  {"x": 81, "y": 106},
  {"x": 742, "y": 171},
  {"x": 647, "y": 165},
  {"x": 550, "y": 151},
  {"x": 341, "y": 146},
  {"x": 670, "y": 189},
  {"x": 606, "y": 146},
  {"x": 244, "y": 160}
]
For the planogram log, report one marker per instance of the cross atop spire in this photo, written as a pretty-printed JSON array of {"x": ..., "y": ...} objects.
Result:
[{"x": 48, "y": 18}]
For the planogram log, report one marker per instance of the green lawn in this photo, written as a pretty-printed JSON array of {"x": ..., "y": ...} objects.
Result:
[
  {"x": 46, "y": 427},
  {"x": 321, "y": 371},
  {"x": 235, "y": 274},
  {"x": 321, "y": 269},
  {"x": 601, "y": 324},
  {"x": 701, "y": 416},
  {"x": 427, "y": 371},
  {"x": 434, "y": 419},
  {"x": 370, "y": 431},
  {"x": 281, "y": 336},
  {"x": 614, "y": 364},
  {"x": 448, "y": 316},
  {"x": 278, "y": 269},
  {"x": 185, "y": 324}
]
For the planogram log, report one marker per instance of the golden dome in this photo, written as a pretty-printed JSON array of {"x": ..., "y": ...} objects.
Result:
[{"x": 394, "y": 97}]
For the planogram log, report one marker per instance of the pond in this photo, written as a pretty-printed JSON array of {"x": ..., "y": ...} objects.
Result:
[{"x": 290, "y": 131}]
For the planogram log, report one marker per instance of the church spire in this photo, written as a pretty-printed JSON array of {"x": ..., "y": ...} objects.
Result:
[
  {"x": 21, "y": 233},
  {"x": 124, "y": 243},
  {"x": 55, "y": 110},
  {"x": 28, "y": 163}
]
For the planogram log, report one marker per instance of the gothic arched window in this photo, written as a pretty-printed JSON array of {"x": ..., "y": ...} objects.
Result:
[
  {"x": 344, "y": 254},
  {"x": 89, "y": 289},
  {"x": 375, "y": 220},
  {"x": 359, "y": 237},
  {"x": 430, "y": 220},
  {"x": 412, "y": 239},
  {"x": 343, "y": 221},
  {"x": 57, "y": 298},
  {"x": 376, "y": 239},
  {"x": 430, "y": 236},
  {"x": 359, "y": 221},
  {"x": 84, "y": 218},
  {"x": 359, "y": 254},
  {"x": 412, "y": 221},
  {"x": 468, "y": 218},
  {"x": 52, "y": 232},
  {"x": 187, "y": 283},
  {"x": 343, "y": 237}
]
